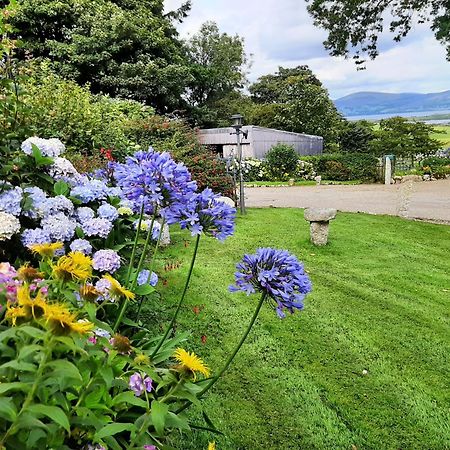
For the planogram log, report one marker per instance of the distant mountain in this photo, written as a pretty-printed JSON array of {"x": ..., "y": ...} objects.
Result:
[{"x": 366, "y": 103}]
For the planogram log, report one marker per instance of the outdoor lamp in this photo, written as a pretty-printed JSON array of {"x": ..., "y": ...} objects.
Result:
[
  {"x": 237, "y": 121},
  {"x": 237, "y": 125}
]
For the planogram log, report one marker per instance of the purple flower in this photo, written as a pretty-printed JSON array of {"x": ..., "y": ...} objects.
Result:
[
  {"x": 154, "y": 180},
  {"x": 103, "y": 286},
  {"x": 84, "y": 214},
  {"x": 107, "y": 211},
  {"x": 205, "y": 213},
  {"x": 138, "y": 384},
  {"x": 59, "y": 227},
  {"x": 89, "y": 190},
  {"x": 106, "y": 261},
  {"x": 150, "y": 447},
  {"x": 81, "y": 245},
  {"x": 97, "y": 227},
  {"x": 276, "y": 273},
  {"x": 144, "y": 277},
  {"x": 55, "y": 205}
]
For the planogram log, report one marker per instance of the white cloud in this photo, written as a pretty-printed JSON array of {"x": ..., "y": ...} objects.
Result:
[{"x": 281, "y": 33}]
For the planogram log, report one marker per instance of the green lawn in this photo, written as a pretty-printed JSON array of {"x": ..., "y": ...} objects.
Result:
[
  {"x": 380, "y": 303},
  {"x": 444, "y": 137}
]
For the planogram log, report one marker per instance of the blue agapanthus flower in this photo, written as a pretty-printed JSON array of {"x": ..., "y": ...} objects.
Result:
[
  {"x": 276, "y": 273},
  {"x": 154, "y": 180},
  {"x": 10, "y": 199},
  {"x": 205, "y": 213}
]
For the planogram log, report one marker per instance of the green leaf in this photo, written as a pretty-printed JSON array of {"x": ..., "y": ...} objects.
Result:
[
  {"x": 33, "y": 332},
  {"x": 174, "y": 421},
  {"x": 158, "y": 414},
  {"x": 144, "y": 289},
  {"x": 64, "y": 372},
  {"x": 130, "y": 398},
  {"x": 92, "y": 400},
  {"x": 34, "y": 436},
  {"x": 27, "y": 350},
  {"x": 8, "y": 410},
  {"x": 61, "y": 188},
  {"x": 113, "y": 428},
  {"x": 28, "y": 421},
  {"x": 209, "y": 422},
  {"x": 16, "y": 386},
  {"x": 52, "y": 412},
  {"x": 20, "y": 366},
  {"x": 39, "y": 158}
]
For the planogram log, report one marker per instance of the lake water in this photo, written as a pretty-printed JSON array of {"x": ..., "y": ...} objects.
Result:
[{"x": 405, "y": 114}]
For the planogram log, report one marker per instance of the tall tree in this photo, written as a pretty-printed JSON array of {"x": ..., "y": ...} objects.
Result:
[
  {"x": 126, "y": 48},
  {"x": 354, "y": 26},
  {"x": 295, "y": 100},
  {"x": 217, "y": 64}
]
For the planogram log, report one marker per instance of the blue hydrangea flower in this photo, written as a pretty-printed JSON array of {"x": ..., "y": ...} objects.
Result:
[
  {"x": 276, "y": 273},
  {"x": 84, "y": 213},
  {"x": 97, "y": 227},
  {"x": 10, "y": 199},
  {"x": 103, "y": 286},
  {"x": 48, "y": 147},
  {"x": 81, "y": 245},
  {"x": 35, "y": 236},
  {"x": 106, "y": 261},
  {"x": 54, "y": 205},
  {"x": 38, "y": 198},
  {"x": 144, "y": 277},
  {"x": 154, "y": 180},
  {"x": 59, "y": 227},
  {"x": 205, "y": 213},
  {"x": 107, "y": 211},
  {"x": 90, "y": 190}
]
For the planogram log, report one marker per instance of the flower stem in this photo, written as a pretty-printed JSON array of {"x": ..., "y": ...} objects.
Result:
[
  {"x": 136, "y": 239},
  {"x": 152, "y": 263},
  {"x": 230, "y": 359},
  {"x": 188, "y": 279}
]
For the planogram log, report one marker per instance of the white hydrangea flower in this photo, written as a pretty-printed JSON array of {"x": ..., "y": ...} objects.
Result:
[
  {"x": 9, "y": 225},
  {"x": 63, "y": 169},
  {"x": 49, "y": 147}
]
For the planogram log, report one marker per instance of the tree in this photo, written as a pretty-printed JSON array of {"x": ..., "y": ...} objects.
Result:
[
  {"x": 354, "y": 26},
  {"x": 217, "y": 65},
  {"x": 397, "y": 136},
  {"x": 295, "y": 100},
  {"x": 355, "y": 137},
  {"x": 125, "y": 48}
]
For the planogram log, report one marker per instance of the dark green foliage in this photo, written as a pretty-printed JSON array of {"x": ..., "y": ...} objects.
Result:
[
  {"x": 354, "y": 27},
  {"x": 344, "y": 167},
  {"x": 356, "y": 137},
  {"x": 210, "y": 171},
  {"x": 298, "y": 102},
  {"x": 435, "y": 162},
  {"x": 281, "y": 161},
  {"x": 217, "y": 66},
  {"x": 400, "y": 137},
  {"x": 128, "y": 49}
]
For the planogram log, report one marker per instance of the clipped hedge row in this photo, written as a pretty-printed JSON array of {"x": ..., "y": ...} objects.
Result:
[{"x": 344, "y": 166}]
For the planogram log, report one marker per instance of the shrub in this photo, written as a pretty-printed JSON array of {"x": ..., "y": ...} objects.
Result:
[
  {"x": 435, "y": 162},
  {"x": 345, "y": 167},
  {"x": 281, "y": 161}
]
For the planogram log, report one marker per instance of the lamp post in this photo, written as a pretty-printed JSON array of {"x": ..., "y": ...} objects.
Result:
[{"x": 237, "y": 125}]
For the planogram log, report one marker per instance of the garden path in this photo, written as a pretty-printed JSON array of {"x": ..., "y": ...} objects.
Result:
[{"x": 428, "y": 201}]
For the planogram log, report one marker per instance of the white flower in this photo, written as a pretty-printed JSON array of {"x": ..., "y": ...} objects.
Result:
[
  {"x": 9, "y": 225},
  {"x": 62, "y": 168},
  {"x": 49, "y": 147}
]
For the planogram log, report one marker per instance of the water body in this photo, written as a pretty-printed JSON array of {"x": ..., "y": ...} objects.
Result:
[{"x": 376, "y": 117}]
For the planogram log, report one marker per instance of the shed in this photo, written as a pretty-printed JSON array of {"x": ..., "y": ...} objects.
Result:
[{"x": 259, "y": 141}]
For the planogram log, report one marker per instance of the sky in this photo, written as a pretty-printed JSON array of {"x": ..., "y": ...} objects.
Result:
[{"x": 281, "y": 33}]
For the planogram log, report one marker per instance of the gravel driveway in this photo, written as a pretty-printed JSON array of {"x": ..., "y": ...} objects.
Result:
[{"x": 414, "y": 200}]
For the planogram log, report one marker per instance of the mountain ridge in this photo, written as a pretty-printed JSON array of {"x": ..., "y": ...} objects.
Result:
[{"x": 372, "y": 102}]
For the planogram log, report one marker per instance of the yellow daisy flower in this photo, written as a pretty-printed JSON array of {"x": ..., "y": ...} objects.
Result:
[
  {"x": 142, "y": 360},
  {"x": 62, "y": 321},
  {"x": 191, "y": 362},
  {"x": 46, "y": 250},
  {"x": 89, "y": 293},
  {"x": 74, "y": 266},
  {"x": 14, "y": 314},
  {"x": 28, "y": 274},
  {"x": 117, "y": 290},
  {"x": 212, "y": 446},
  {"x": 33, "y": 307}
]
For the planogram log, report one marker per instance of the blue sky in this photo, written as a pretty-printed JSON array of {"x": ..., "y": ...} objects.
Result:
[{"x": 281, "y": 33}]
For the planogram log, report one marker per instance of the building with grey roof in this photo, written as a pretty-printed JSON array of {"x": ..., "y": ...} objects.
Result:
[{"x": 258, "y": 141}]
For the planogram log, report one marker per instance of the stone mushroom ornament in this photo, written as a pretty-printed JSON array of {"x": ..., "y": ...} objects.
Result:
[{"x": 319, "y": 219}]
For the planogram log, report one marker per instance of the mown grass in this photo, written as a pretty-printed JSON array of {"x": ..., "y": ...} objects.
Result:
[
  {"x": 380, "y": 303},
  {"x": 443, "y": 134}
]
